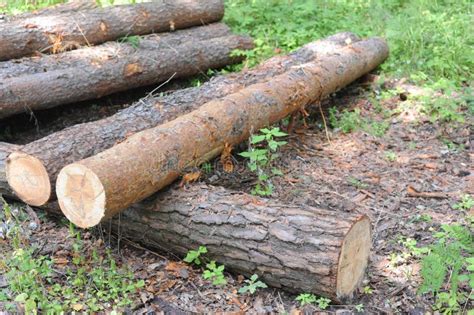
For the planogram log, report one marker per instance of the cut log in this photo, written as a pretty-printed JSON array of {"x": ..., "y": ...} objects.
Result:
[
  {"x": 297, "y": 248},
  {"x": 84, "y": 140},
  {"x": 103, "y": 185},
  {"x": 111, "y": 70},
  {"x": 70, "y": 30}
]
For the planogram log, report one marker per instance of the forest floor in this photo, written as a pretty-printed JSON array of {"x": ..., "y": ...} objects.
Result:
[{"x": 395, "y": 165}]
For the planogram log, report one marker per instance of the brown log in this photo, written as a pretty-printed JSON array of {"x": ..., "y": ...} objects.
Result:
[
  {"x": 84, "y": 140},
  {"x": 102, "y": 185},
  {"x": 94, "y": 26},
  {"x": 5, "y": 150},
  {"x": 297, "y": 248},
  {"x": 71, "y": 6},
  {"x": 115, "y": 67}
]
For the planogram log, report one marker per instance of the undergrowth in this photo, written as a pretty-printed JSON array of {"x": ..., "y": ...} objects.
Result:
[{"x": 86, "y": 281}]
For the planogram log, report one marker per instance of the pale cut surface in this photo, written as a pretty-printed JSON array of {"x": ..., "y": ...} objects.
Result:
[
  {"x": 82, "y": 195},
  {"x": 28, "y": 178},
  {"x": 353, "y": 257}
]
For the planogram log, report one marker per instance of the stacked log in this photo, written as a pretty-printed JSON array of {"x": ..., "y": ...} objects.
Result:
[
  {"x": 71, "y": 6},
  {"x": 69, "y": 30},
  {"x": 41, "y": 83},
  {"x": 101, "y": 186},
  {"x": 297, "y": 248},
  {"x": 84, "y": 140}
]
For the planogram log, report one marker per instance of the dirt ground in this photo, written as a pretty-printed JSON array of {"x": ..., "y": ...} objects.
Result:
[{"x": 384, "y": 177}]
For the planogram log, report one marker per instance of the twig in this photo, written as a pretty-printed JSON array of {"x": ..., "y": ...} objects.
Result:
[{"x": 324, "y": 122}]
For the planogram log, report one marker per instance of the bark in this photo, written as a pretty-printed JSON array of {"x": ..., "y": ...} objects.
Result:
[
  {"x": 5, "y": 150},
  {"x": 103, "y": 185},
  {"x": 70, "y": 30},
  {"x": 297, "y": 248},
  {"x": 114, "y": 67},
  {"x": 84, "y": 140},
  {"x": 71, "y": 6}
]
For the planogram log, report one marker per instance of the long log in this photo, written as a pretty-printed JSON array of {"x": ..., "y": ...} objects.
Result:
[
  {"x": 93, "y": 26},
  {"x": 297, "y": 248},
  {"x": 103, "y": 185},
  {"x": 71, "y": 6},
  {"x": 84, "y": 140},
  {"x": 118, "y": 67}
]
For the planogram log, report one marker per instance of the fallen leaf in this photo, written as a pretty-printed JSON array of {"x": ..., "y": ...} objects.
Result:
[
  {"x": 189, "y": 178},
  {"x": 132, "y": 69},
  {"x": 226, "y": 158},
  {"x": 77, "y": 307}
]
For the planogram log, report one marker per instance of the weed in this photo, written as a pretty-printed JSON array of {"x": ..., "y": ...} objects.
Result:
[
  {"x": 306, "y": 298},
  {"x": 263, "y": 148},
  {"x": 368, "y": 290},
  {"x": 466, "y": 203},
  {"x": 347, "y": 121},
  {"x": 133, "y": 40},
  {"x": 206, "y": 168},
  {"x": 252, "y": 285},
  {"x": 357, "y": 183},
  {"x": 359, "y": 308},
  {"x": 391, "y": 156},
  {"x": 323, "y": 303},
  {"x": 193, "y": 255},
  {"x": 215, "y": 273},
  {"x": 446, "y": 266}
]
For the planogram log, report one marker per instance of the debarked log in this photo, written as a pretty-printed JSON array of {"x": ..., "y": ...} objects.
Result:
[
  {"x": 297, "y": 248},
  {"x": 65, "y": 31},
  {"x": 84, "y": 140},
  {"x": 117, "y": 67},
  {"x": 101, "y": 186}
]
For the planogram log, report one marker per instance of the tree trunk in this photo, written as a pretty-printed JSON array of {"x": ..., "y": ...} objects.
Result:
[
  {"x": 84, "y": 140},
  {"x": 105, "y": 184},
  {"x": 116, "y": 67},
  {"x": 297, "y": 248},
  {"x": 64, "y": 31}
]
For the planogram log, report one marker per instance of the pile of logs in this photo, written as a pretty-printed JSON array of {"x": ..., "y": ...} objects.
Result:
[{"x": 121, "y": 164}]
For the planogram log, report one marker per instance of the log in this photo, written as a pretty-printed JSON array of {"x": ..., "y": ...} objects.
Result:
[
  {"x": 84, "y": 140},
  {"x": 115, "y": 67},
  {"x": 296, "y": 248},
  {"x": 101, "y": 186},
  {"x": 71, "y": 6},
  {"x": 65, "y": 31},
  {"x": 27, "y": 165}
]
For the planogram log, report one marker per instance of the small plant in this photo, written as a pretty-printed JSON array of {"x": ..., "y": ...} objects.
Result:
[
  {"x": 357, "y": 183},
  {"x": 252, "y": 285},
  {"x": 466, "y": 203},
  {"x": 193, "y": 255},
  {"x": 206, "y": 168},
  {"x": 391, "y": 156},
  {"x": 262, "y": 152},
  {"x": 215, "y": 273},
  {"x": 134, "y": 40},
  {"x": 359, "y": 307},
  {"x": 306, "y": 298},
  {"x": 346, "y": 121},
  {"x": 368, "y": 290},
  {"x": 323, "y": 303}
]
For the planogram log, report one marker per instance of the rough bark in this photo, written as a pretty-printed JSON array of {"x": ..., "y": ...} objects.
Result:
[
  {"x": 71, "y": 6},
  {"x": 93, "y": 26},
  {"x": 84, "y": 140},
  {"x": 117, "y": 67},
  {"x": 102, "y": 185},
  {"x": 5, "y": 150},
  {"x": 297, "y": 248}
]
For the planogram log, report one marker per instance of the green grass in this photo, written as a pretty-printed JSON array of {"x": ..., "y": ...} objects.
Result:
[{"x": 429, "y": 40}]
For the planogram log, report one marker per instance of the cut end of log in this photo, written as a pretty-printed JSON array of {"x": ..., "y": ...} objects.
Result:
[
  {"x": 353, "y": 258},
  {"x": 81, "y": 195},
  {"x": 28, "y": 178}
]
